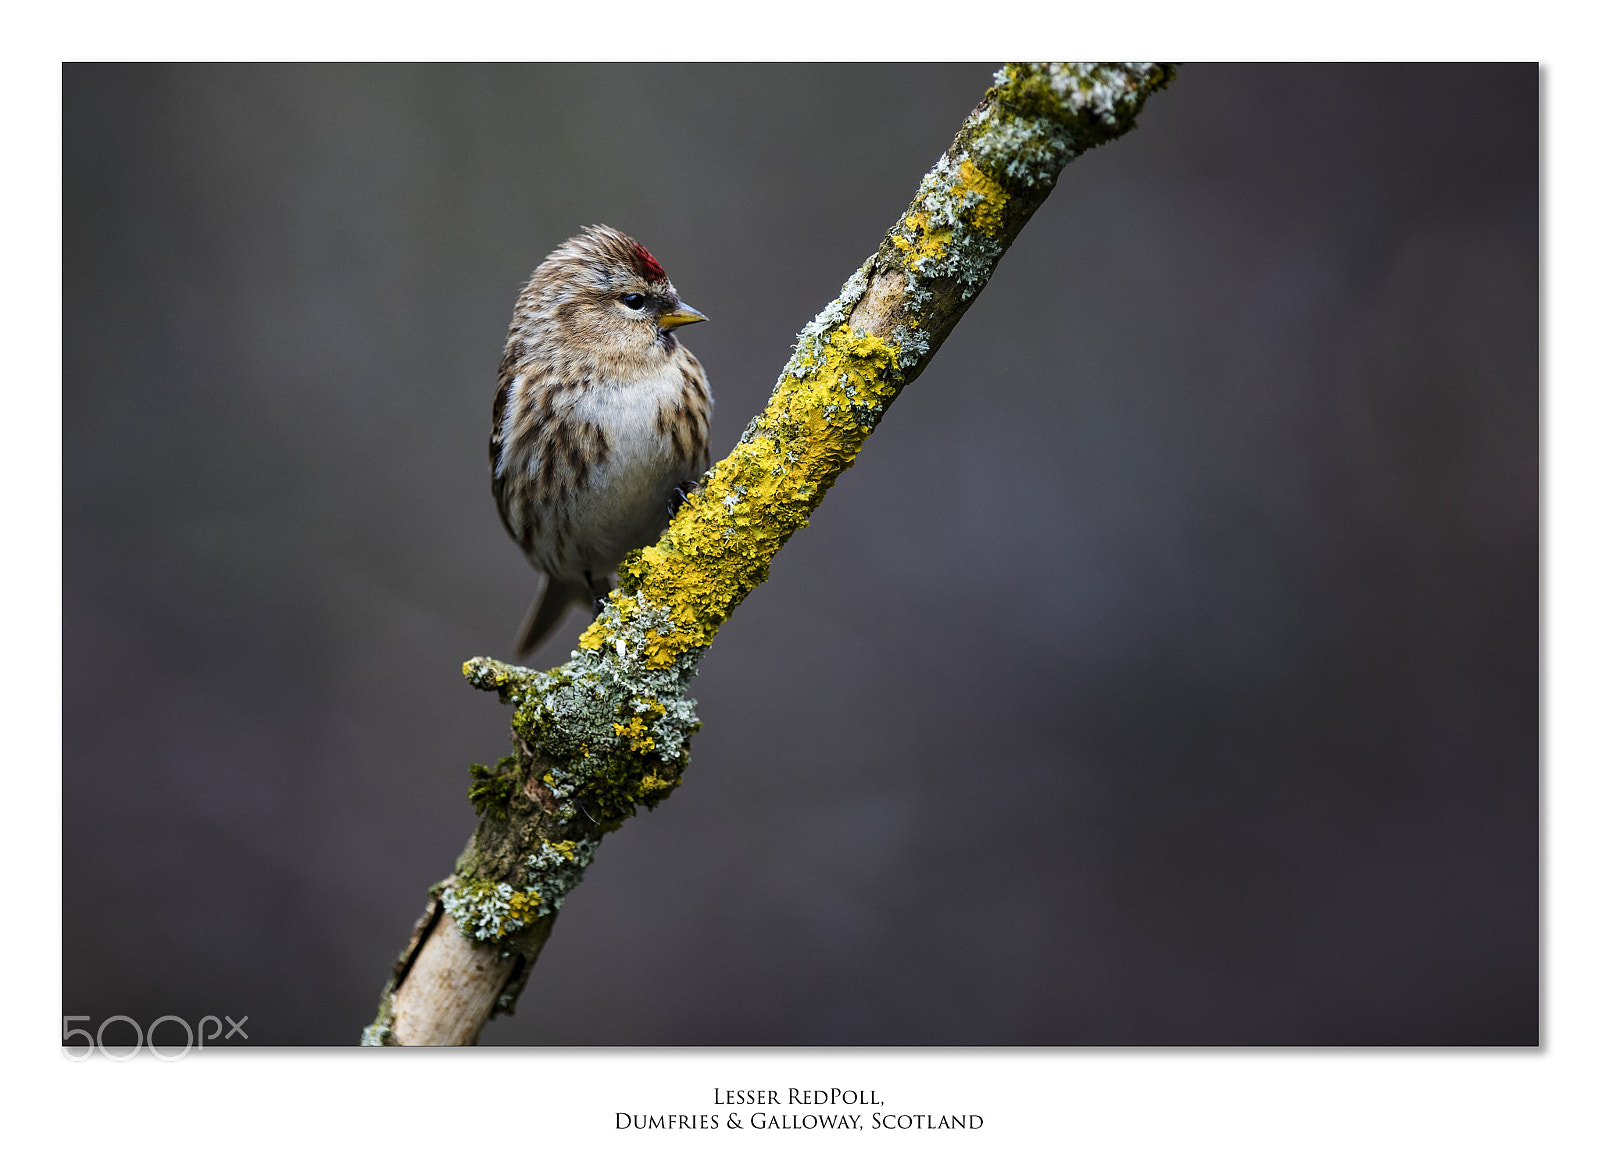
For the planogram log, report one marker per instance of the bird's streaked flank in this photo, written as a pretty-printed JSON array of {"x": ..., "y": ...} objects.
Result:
[{"x": 602, "y": 418}]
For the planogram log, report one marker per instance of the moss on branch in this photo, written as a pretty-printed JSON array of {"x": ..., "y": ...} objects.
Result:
[{"x": 608, "y": 732}]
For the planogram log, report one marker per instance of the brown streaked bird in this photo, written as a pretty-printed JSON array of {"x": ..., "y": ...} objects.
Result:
[{"x": 602, "y": 420}]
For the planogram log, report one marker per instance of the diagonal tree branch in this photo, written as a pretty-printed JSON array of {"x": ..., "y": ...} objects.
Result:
[{"x": 609, "y": 732}]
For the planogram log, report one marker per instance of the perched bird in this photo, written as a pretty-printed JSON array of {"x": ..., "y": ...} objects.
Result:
[{"x": 602, "y": 419}]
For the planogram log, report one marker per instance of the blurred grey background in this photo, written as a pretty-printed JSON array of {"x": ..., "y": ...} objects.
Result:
[{"x": 1166, "y": 672}]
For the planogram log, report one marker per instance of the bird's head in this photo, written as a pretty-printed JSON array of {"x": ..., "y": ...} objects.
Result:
[{"x": 602, "y": 294}]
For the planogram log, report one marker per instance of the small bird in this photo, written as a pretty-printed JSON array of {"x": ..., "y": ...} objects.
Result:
[{"x": 602, "y": 419}]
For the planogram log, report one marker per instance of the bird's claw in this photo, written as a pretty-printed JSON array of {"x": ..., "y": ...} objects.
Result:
[
  {"x": 597, "y": 592},
  {"x": 680, "y": 496}
]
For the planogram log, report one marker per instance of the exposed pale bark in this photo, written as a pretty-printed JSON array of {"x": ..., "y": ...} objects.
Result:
[
  {"x": 609, "y": 732},
  {"x": 450, "y": 990}
]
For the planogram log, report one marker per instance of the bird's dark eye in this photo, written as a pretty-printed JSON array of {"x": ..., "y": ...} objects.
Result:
[{"x": 634, "y": 300}]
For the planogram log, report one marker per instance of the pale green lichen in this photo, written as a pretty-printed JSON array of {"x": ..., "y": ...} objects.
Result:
[
  {"x": 1025, "y": 150},
  {"x": 1042, "y": 116},
  {"x": 611, "y": 728},
  {"x": 952, "y": 226},
  {"x": 1031, "y": 124},
  {"x": 380, "y": 1033},
  {"x": 556, "y": 869},
  {"x": 489, "y": 911},
  {"x": 1078, "y": 93},
  {"x": 494, "y": 911}
]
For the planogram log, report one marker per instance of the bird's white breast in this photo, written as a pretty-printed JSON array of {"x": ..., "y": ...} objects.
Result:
[{"x": 624, "y": 504}]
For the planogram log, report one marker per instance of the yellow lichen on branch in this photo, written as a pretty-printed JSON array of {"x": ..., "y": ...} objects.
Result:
[
  {"x": 672, "y": 597},
  {"x": 975, "y": 201},
  {"x": 720, "y": 544},
  {"x": 609, "y": 731},
  {"x": 614, "y": 723}
]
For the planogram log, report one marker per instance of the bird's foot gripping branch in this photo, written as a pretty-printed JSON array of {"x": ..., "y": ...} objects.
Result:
[{"x": 607, "y": 733}]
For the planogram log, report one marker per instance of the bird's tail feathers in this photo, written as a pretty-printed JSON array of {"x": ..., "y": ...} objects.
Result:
[{"x": 546, "y": 612}]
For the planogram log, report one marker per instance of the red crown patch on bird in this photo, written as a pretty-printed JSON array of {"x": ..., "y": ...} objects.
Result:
[{"x": 648, "y": 266}]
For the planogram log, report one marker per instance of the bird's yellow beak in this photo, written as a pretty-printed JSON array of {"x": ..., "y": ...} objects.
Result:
[{"x": 682, "y": 315}]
